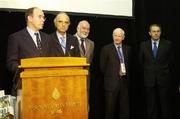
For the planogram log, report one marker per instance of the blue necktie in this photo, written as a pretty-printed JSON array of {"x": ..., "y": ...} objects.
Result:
[
  {"x": 62, "y": 42},
  {"x": 122, "y": 69},
  {"x": 120, "y": 54},
  {"x": 155, "y": 49}
]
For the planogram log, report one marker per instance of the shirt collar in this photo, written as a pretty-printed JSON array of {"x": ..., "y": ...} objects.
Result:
[
  {"x": 157, "y": 41},
  {"x": 31, "y": 32},
  {"x": 118, "y": 45},
  {"x": 79, "y": 38},
  {"x": 60, "y": 36}
]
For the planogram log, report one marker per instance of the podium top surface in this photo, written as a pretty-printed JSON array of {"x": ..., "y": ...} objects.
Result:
[{"x": 53, "y": 62}]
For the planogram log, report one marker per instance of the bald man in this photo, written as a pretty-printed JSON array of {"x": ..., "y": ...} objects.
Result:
[
  {"x": 114, "y": 63},
  {"x": 63, "y": 43}
]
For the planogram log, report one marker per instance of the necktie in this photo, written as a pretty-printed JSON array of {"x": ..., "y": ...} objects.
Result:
[
  {"x": 39, "y": 45},
  {"x": 120, "y": 54},
  {"x": 155, "y": 49},
  {"x": 38, "y": 41},
  {"x": 63, "y": 44},
  {"x": 122, "y": 69},
  {"x": 82, "y": 46}
]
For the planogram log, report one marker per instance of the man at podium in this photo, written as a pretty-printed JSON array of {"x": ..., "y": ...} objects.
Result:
[{"x": 27, "y": 43}]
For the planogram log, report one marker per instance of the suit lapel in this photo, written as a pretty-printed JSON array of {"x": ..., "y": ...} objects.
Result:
[
  {"x": 81, "y": 52},
  {"x": 114, "y": 51},
  {"x": 88, "y": 47},
  {"x": 149, "y": 49},
  {"x": 160, "y": 47},
  {"x": 57, "y": 44},
  {"x": 124, "y": 51},
  {"x": 68, "y": 44},
  {"x": 30, "y": 41},
  {"x": 44, "y": 43}
]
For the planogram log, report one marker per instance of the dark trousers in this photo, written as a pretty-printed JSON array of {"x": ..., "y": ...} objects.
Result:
[
  {"x": 158, "y": 96},
  {"x": 117, "y": 99}
]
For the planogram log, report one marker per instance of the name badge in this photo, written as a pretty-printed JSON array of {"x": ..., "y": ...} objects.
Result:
[{"x": 123, "y": 69}]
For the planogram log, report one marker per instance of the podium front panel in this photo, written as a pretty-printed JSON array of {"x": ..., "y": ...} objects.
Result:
[{"x": 54, "y": 93}]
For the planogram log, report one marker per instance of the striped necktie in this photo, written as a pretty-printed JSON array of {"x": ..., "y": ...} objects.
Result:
[
  {"x": 120, "y": 54},
  {"x": 63, "y": 45},
  {"x": 39, "y": 44},
  {"x": 82, "y": 46}
]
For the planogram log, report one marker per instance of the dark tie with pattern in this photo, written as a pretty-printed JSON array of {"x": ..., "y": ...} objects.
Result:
[
  {"x": 38, "y": 41},
  {"x": 63, "y": 45},
  {"x": 82, "y": 46},
  {"x": 154, "y": 49},
  {"x": 120, "y": 54}
]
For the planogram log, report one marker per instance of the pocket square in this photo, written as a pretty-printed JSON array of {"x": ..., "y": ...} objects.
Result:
[{"x": 71, "y": 47}]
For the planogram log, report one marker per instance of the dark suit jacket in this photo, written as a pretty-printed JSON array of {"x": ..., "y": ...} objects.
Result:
[
  {"x": 109, "y": 64},
  {"x": 89, "y": 49},
  {"x": 156, "y": 69},
  {"x": 71, "y": 46},
  {"x": 21, "y": 45}
]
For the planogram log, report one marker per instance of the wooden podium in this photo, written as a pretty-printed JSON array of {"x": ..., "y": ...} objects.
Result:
[{"x": 54, "y": 88}]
